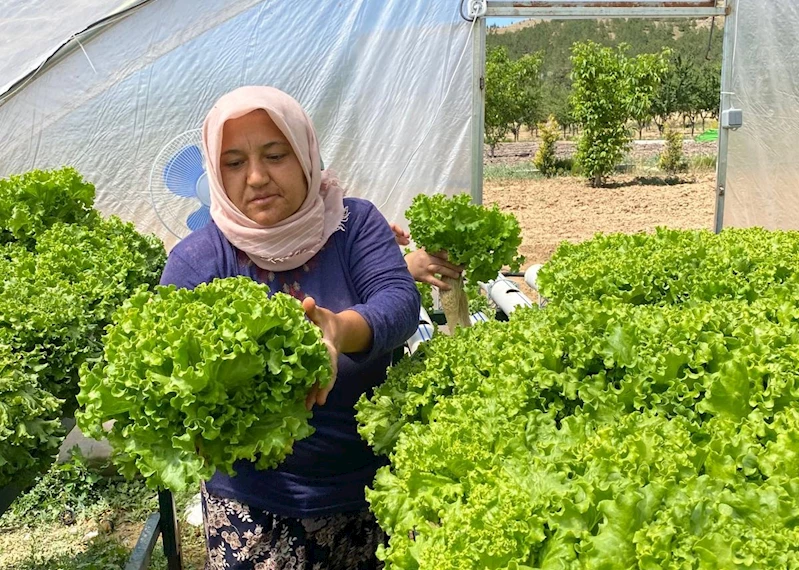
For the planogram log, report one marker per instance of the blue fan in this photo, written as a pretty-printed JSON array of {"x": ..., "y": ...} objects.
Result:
[{"x": 179, "y": 188}]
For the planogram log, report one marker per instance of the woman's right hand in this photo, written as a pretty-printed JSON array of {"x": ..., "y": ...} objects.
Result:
[{"x": 425, "y": 266}]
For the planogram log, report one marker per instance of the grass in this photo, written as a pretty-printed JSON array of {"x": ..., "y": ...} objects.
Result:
[
  {"x": 76, "y": 518},
  {"x": 510, "y": 172},
  {"x": 702, "y": 162},
  {"x": 99, "y": 555},
  {"x": 649, "y": 166}
]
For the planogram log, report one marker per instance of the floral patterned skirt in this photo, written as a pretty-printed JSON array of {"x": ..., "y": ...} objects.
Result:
[{"x": 239, "y": 537}]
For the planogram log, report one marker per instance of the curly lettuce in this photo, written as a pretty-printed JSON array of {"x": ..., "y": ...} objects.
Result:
[
  {"x": 32, "y": 202},
  {"x": 626, "y": 425},
  {"x": 195, "y": 380}
]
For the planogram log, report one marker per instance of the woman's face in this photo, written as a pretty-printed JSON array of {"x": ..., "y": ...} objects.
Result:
[{"x": 260, "y": 172}]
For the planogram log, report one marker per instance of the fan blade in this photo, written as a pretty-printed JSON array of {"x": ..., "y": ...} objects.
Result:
[
  {"x": 199, "y": 218},
  {"x": 183, "y": 170}
]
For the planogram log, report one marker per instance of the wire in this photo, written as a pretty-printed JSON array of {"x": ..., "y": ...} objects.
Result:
[
  {"x": 710, "y": 38},
  {"x": 85, "y": 54},
  {"x": 435, "y": 116},
  {"x": 463, "y": 14},
  {"x": 23, "y": 81}
]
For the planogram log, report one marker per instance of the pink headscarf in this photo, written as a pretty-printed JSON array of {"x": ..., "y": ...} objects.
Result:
[{"x": 293, "y": 241}]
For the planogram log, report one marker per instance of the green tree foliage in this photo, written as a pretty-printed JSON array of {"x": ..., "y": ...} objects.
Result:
[
  {"x": 709, "y": 90},
  {"x": 526, "y": 102},
  {"x": 555, "y": 97},
  {"x": 497, "y": 116},
  {"x": 512, "y": 94},
  {"x": 545, "y": 159},
  {"x": 688, "y": 40},
  {"x": 676, "y": 82},
  {"x": 689, "y": 89},
  {"x": 608, "y": 88}
]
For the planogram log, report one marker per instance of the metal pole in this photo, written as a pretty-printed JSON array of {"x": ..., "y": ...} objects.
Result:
[
  {"x": 140, "y": 557},
  {"x": 170, "y": 533},
  {"x": 604, "y": 3},
  {"x": 726, "y": 96},
  {"x": 478, "y": 106},
  {"x": 590, "y": 12}
]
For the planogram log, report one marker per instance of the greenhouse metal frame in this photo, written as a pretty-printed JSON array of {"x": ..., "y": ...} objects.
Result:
[{"x": 598, "y": 9}]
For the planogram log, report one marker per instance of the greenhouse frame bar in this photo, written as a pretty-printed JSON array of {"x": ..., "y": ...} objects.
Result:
[{"x": 598, "y": 9}]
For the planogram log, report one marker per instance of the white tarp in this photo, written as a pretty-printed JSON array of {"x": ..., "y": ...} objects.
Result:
[
  {"x": 763, "y": 168},
  {"x": 372, "y": 75}
]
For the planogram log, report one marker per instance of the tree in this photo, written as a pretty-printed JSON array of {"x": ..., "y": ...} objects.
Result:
[
  {"x": 709, "y": 92},
  {"x": 688, "y": 101},
  {"x": 497, "y": 109},
  {"x": 529, "y": 111},
  {"x": 511, "y": 93},
  {"x": 555, "y": 100},
  {"x": 648, "y": 71},
  {"x": 608, "y": 88},
  {"x": 673, "y": 91},
  {"x": 526, "y": 104}
]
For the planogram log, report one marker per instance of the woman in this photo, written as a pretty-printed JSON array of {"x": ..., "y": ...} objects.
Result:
[{"x": 278, "y": 219}]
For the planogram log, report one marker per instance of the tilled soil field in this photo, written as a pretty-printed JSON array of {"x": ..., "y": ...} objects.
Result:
[{"x": 567, "y": 208}]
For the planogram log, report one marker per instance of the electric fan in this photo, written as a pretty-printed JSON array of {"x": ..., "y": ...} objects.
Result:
[{"x": 179, "y": 188}]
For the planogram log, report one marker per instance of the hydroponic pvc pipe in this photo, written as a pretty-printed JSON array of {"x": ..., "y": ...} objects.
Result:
[
  {"x": 506, "y": 295},
  {"x": 424, "y": 331}
]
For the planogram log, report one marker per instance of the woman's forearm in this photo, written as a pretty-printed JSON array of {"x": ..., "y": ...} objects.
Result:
[{"x": 354, "y": 334}]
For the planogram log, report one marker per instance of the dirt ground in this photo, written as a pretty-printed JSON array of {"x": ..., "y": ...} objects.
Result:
[{"x": 566, "y": 208}]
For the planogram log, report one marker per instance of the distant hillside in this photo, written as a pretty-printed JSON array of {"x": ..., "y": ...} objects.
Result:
[
  {"x": 688, "y": 39},
  {"x": 516, "y": 26}
]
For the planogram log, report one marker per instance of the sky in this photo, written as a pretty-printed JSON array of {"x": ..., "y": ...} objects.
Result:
[{"x": 503, "y": 21}]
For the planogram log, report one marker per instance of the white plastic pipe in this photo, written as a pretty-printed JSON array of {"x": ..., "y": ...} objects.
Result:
[
  {"x": 506, "y": 295},
  {"x": 424, "y": 331},
  {"x": 531, "y": 275},
  {"x": 478, "y": 317}
]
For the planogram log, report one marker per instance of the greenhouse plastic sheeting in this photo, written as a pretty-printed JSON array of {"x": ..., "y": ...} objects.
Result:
[
  {"x": 763, "y": 168},
  {"x": 31, "y": 30},
  {"x": 388, "y": 85}
]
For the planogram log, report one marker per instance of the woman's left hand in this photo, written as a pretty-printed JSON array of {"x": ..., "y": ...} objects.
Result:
[
  {"x": 400, "y": 236},
  {"x": 424, "y": 267},
  {"x": 325, "y": 320}
]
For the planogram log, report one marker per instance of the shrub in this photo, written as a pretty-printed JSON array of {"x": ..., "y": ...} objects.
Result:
[
  {"x": 672, "y": 159},
  {"x": 545, "y": 159}
]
